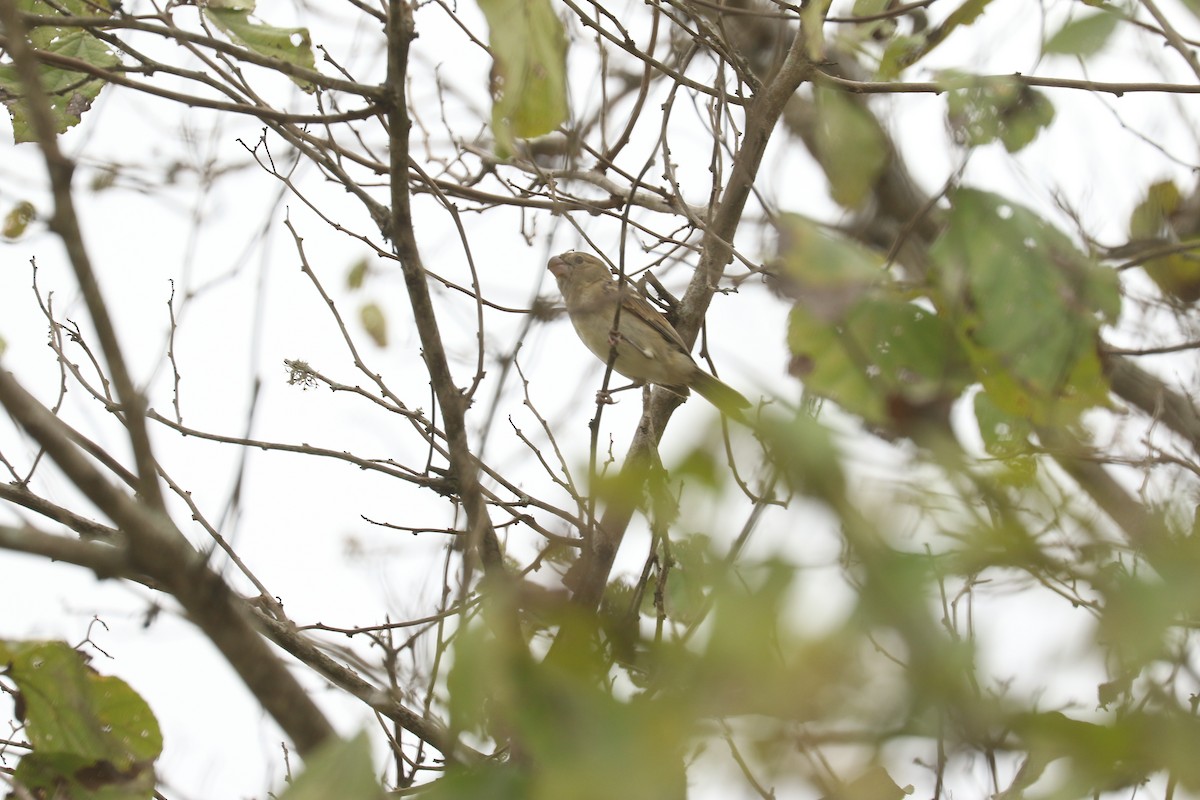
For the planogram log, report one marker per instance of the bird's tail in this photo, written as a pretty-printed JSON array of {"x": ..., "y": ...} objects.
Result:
[{"x": 727, "y": 399}]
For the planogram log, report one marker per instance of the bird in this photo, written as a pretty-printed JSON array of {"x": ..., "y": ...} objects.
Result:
[{"x": 648, "y": 348}]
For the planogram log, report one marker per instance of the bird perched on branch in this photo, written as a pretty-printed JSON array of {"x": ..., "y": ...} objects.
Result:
[{"x": 648, "y": 349}]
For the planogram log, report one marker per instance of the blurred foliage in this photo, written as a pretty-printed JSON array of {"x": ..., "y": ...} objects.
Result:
[
  {"x": 985, "y": 110},
  {"x": 573, "y": 731},
  {"x": 1084, "y": 36},
  {"x": 1027, "y": 306},
  {"x": 17, "y": 220},
  {"x": 374, "y": 322},
  {"x": 852, "y": 147},
  {"x": 1163, "y": 217},
  {"x": 340, "y": 769},
  {"x": 356, "y": 276}
]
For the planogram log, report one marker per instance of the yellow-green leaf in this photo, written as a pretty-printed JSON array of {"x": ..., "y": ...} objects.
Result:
[
  {"x": 873, "y": 784},
  {"x": 1177, "y": 274},
  {"x": 374, "y": 323},
  {"x": 529, "y": 75},
  {"x": 18, "y": 219},
  {"x": 357, "y": 274},
  {"x": 1151, "y": 218}
]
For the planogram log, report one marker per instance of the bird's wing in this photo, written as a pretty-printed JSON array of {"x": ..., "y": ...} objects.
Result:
[{"x": 655, "y": 324}]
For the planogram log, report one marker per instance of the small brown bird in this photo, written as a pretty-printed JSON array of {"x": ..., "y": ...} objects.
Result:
[{"x": 649, "y": 349}]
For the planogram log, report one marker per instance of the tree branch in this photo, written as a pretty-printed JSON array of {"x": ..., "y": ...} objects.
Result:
[
  {"x": 65, "y": 223},
  {"x": 157, "y": 549},
  {"x": 106, "y": 560},
  {"x": 762, "y": 115},
  {"x": 481, "y": 536},
  {"x": 305, "y": 651}
]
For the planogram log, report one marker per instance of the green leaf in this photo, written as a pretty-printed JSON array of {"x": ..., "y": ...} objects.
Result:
[
  {"x": 901, "y": 51},
  {"x": 1084, "y": 36},
  {"x": 832, "y": 270},
  {"x": 71, "y": 93},
  {"x": 812, "y": 19},
  {"x": 338, "y": 769},
  {"x": 1004, "y": 435},
  {"x": 1027, "y": 304},
  {"x": 701, "y": 466},
  {"x": 858, "y": 339},
  {"x": 68, "y": 777},
  {"x": 1137, "y": 614},
  {"x": 88, "y": 731},
  {"x": 746, "y": 614},
  {"x": 1141, "y": 611},
  {"x": 290, "y": 45},
  {"x": 529, "y": 75},
  {"x": 889, "y": 359},
  {"x": 588, "y": 745},
  {"x": 851, "y": 147},
  {"x": 981, "y": 111}
]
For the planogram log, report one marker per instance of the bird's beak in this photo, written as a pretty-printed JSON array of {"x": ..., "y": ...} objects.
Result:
[{"x": 557, "y": 267}]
